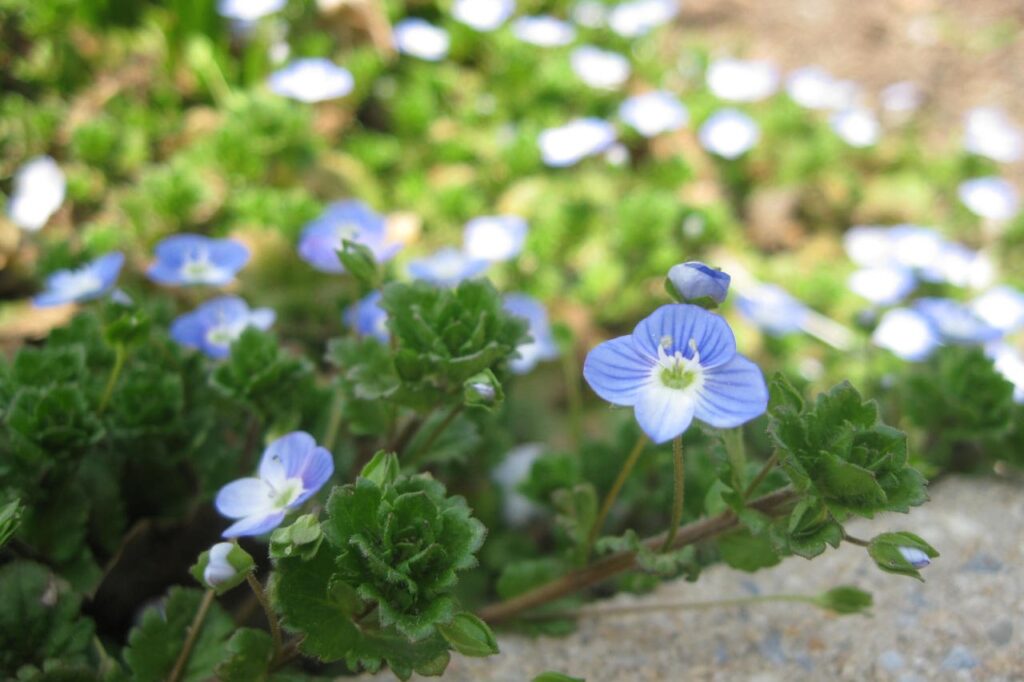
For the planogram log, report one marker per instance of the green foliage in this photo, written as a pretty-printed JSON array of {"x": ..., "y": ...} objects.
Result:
[
  {"x": 301, "y": 538},
  {"x": 40, "y": 624},
  {"x": 669, "y": 563},
  {"x": 155, "y": 644},
  {"x": 248, "y": 655},
  {"x": 840, "y": 452},
  {"x": 469, "y": 635},
  {"x": 10, "y": 518},
  {"x": 845, "y": 600}
]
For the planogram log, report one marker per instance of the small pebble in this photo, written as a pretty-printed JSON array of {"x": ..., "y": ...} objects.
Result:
[
  {"x": 959, "y": 658},
  {"x": 983, "y": 562},
  {"x": 890, "y": 660},
  {"x": 1001, "y": 633}
]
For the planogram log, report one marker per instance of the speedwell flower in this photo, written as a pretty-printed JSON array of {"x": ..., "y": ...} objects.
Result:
[
  {"x": 495, "y": 238},
  {"x": 991, "y": 134},
  {"x": 90, "y": 281},
  {"x": 954, "y": 322},
  {"x": 906, "y": 333},
  {"x": 639, "y": 17},
  {"x": 38, "y": 192},
  {"x": 654, "y": 113},
  {"x": 740, "y": 80},
  {"x": 773, "y": 309},
  {"x": 679, "y": 363},
  {"x": 311, "y": 80},
  {"x": 729, "y": 133},
  {"x": 184, "y": 259},
  {"x": 419, "y": 38},
  {"x": 367, "y": 318},
  {"x": 483, "y": 15},
  {"x": 599, "y": 68},
  {"x": 990, "y": 197},
  {"x": 857, "y": 127},
  {"x": 543, "y": 30},
  {"x": 447, "y": 267},
  {"x": 883, "y": 285},
  {"x": 249, "y": 10},
  {"x": 814, "y": 88},
  {"x": 542, "y": 345},
  {"x": 216, "y": 324},
  {"x": 569, "y": 144},
  {"x": 344, "y": 220},
  {"x": 694, "y": 281},
  {"x": 292, "y": 470},
  {"x": 1002, "y": 307}
]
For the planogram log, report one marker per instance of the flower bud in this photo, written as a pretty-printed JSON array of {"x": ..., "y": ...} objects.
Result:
[
  {"x": 222, "y": 567},
  {"x": 483, "y": 390},
  {"x": 219, "y": 570},
  {"x": 915, "y": 557},
  {"x": 697, "y": 283}
]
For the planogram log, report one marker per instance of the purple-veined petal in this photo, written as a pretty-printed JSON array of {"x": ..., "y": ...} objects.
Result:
[
  {"x": 616, "y": 371},
  {"x": 676, "y": 325},
  {"x": 254, "y": 525},
  {"x": 664, "y": 413},
  {"x": 317, "y": 470},
  {"x": 732, "y": 394},
  {"x": 244, "y": 497},
  {"x": 285, "y": 457}
]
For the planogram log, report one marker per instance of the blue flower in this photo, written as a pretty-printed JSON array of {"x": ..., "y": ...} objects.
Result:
[
  {"x": 990, "y": 197},
  {"x": 955, "y": 322},
  {"x": 495, "y": 238},
  {"x": 419, "y": 38},
  {"x": 599, "y": 68},
  {"x": 38, "y": 191},
  {"x": 654, "y": 113},
  {"x": 483, "y": 15},
  {"x": 216, "y": 324},
  {"x": 344, "y": 220},
  {"x": 185, "y": 259},
  {"x": 1001, "y": 307},
  {"x": 368, "y": 318},
  {"x": 542, "y": 345},
  {"x": 960, "y": 266},
  {"x": 857, "y": 127},
  {"x": 694, "y": 280},
  {"x": 680, "y": 363},
  {"x": 248, "y": 10},
  {"x": 639, "y": 17},
  {"x": 729, "y": 133},
  {"x": 739, "y": 80},
  {"x": 543, "y": 31},
  {"x": 292, "y": 470},
  {"x": 814, "y": 88},
  {"x": 569, "y": 144},
  {"x": 884, "y": 285},
  {"x": 1008, "y": 361},
  {"x": 907, "y": 334},
  {"x": 773, "y": 309},
  {"x": 311, "y": 80},
  {"x": 447, "y": 267},
  {"x": 990, "y": 133},
  {"x": 82, "y": 284}
]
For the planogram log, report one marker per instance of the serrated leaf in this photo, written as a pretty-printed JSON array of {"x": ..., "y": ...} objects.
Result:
[
  {"x": 746, "y": 552},
  {"x": 469, "y": 635},
  {"x": 247, "y": 658}
]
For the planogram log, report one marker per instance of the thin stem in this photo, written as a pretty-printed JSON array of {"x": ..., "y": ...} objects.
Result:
[
  {"x": 333, "y": 421},
  {"x": 101, "y": 652},
  {"x": 613, "y": 494},
  {"x": 775, "y": 504},
  {"x": 603, "y": 611},
  {"x": 436, "y": 433},
  {"x": 761, "y": 475},
  {"x": 261, "y": 597},
  {"x": 192, "y": 637},
  {"x": 119, "y": 357},
  {"x": 736, "y": 451},
  {"x": 854, "y": 540},
  {"x": 678, "y": 491}
]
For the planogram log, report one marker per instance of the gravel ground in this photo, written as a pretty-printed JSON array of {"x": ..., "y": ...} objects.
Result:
[{"x": 965, "y": 623}]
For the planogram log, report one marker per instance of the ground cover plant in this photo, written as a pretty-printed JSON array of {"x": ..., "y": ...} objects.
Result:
[{"x": 340, "y": 335}]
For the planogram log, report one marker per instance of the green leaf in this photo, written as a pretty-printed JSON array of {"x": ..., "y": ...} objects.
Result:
[
  {"x": 469, "y": 635},
  {"x": 261, "y": 375},
  {"x": 885, "y": 550},
  {"x": 382, "y": 469},
  {"x": 556, "y": 677},
  {"x": 747, "y": 552},
  {"x": 155, "y": 644},
  {"x": 845, "y": 600},
  {"x": 811, "y": 528},
  {"x": 10, "y": 519},
  {"x": 359, "y": 262},
  {"x": 301, "y": 538},
  {"x": 248, "y": 655},
  {"x": 577, "y": 513}
]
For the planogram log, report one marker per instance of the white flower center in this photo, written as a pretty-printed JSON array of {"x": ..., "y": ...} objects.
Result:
[
  {"x": 286, "y": 493},
  {"x": 346, "y": 232},
  {"x": 198, "y": 268},
  {"x": 81, "y": 283},
  {"x": 676, "y": 371}
]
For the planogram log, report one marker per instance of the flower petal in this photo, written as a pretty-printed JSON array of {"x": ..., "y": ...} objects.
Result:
[
  {"x": 732, "y": 394},
  {"x": 680, "y": 323},
  {"x": 664, "y": 413},
  {"x": 616, "y": 371},
  {"x": 244, "y": 497},
  {"x": 257, "y": 524},
  {"x": 318, "y": 469},
  {"x": 286, "y": 457}
]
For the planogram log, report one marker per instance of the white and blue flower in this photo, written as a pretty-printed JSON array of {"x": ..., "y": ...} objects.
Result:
[
  {"x": 38, "y": 191},
  {"x": 341, "y": 221},
  {"x": 653, "y": 113},
  {"x": 740, "y": 80},
  {"x": 368, "y": 318},
  {"x": 990, "y": 197},
  {"x": 217, "y": 323},
  {"x": 541, "y": 346},
  {"x": 569, "y": 144},
  {"x": 907, "y": 334},
  {"x": 86, "y": 283},
  {"x": 311, "y": 80},
  {"x": 694, "y": 281},
  {"x": 447, "y": 267},
  {"x": 600, "y": 69},
  {"x": 1001, "y": 307},
  {"x": 857, "y": 127},
  {"x": 729, "y": 133},
  {"x": 483, "y": 15},
  {"x": 292, "y": 470},
  {"x": 990, "y": 133},
  {"x": 1009, "y": 362},
  {"x": 419, "y": 38},
  {"x": 495, "y": 238},
  {"x": 773, "y": 309},
  {"x": 187, "y": 259},
  {"x": 249, "y": 10},
  {"x": 954, "y": 322},
  {"x": 884, "y": 285},
  {"x": 638, "y": 17},
  {"x": 680, "y": 363},
  {"x": 544, "y": 30},
  {"x": 814, "y": 88},
  {"x": 914, "y": 556}
]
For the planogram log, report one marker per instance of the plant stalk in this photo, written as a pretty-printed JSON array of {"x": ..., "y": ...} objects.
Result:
[
  {"x": 761, "y": 475},
  {"x": 678, "y": 491},
  {"x": 261, "y": 597},
  {"x": 192, "y": 637},
  {"x": 120, "y": 354},
  {"x": 613, "y": 494}
]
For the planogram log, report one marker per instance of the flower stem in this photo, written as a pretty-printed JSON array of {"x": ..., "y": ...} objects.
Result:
[
  {"x": 436, "y": 433},
  {"x": 774, "y": 505},
  {"x": 678, "y": 491},
  {"x": 736, "y": 451},
  {"x": 613, "y": 494},
  {"x": 854, "y": 540},
  {"x": 120, "y": 354},
  {"x": 193, "y": 635},
  {"x": 761, "y": 475},
  {"x": 261, "y": 597}
]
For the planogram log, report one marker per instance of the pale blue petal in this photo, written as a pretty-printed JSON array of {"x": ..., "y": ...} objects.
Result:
[
  {"x": 616, "y": 371},
  {"x": 286, "y": 457},
  {"x": 664, "y": 413},
  {"x": 677, "y": 325},
  {"x": 254, "y": 525},
  {"x": 317, "y": 470},
  {"x": 732, "y": 394},
  {"x": 244, "y": 497}
]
